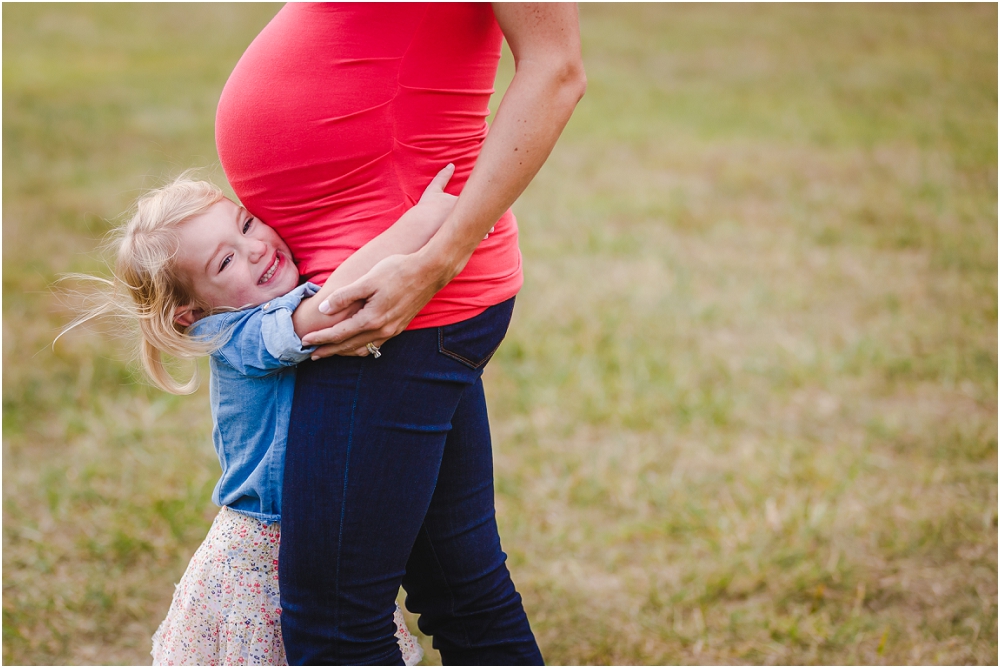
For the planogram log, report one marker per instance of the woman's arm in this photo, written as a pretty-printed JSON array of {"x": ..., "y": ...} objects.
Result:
[
  {"x": 548, "y": 82},
  {"x": 407, "y": 235}
]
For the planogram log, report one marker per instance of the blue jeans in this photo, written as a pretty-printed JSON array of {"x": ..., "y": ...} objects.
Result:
[{"x": 389, "y": 481}]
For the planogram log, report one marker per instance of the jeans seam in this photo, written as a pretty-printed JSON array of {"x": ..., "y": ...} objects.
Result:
[
  {"x": 448, "y": 353},
  {"x": 444, "y": 577},
  {"x": 343, "y": 503}
]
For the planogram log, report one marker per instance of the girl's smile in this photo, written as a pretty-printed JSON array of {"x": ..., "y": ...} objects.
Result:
[{"x": 234, "y": 260}]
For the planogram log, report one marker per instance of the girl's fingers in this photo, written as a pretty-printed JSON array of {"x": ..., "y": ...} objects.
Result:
[{"x": 440, "y": 180}]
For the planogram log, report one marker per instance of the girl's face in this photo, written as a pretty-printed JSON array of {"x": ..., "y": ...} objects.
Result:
[{"x": 233, "y": 259}]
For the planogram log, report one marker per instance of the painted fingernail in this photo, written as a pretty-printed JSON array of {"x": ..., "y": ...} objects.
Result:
[{"x": 324, "y": 306}]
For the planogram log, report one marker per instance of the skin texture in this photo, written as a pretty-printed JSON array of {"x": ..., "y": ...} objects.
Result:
[{"x": 548, "y": 82}]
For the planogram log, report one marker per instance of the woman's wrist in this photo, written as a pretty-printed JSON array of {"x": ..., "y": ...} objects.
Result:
[
  {"x": 439, "y": 263},
  {"x": 444, "y": 256}
]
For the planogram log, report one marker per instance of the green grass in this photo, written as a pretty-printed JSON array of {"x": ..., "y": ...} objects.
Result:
[{"x": 746, "y": 412}]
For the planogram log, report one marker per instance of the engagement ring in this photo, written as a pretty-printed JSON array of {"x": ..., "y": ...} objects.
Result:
[{"x": 373, "y": 349}]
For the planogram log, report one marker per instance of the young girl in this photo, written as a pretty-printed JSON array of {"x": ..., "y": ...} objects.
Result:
[{"x": 203, "y": 276}]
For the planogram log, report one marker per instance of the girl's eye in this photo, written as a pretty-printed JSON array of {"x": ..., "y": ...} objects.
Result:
[
  {"x": 225, "y": 262},
  {"x": 246, "y": 225}
]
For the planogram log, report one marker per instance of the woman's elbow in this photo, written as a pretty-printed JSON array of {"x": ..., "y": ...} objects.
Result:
[
  {"x": 580, "y": 82},
  {"x": 572, "y": 79},
  {"x": 562, "y": 80}
]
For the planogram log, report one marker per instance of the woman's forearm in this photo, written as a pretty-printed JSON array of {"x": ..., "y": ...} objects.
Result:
[{"x": 407, "y": 235}]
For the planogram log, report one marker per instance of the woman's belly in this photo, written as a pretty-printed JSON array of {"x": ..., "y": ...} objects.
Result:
[{"x": 338, "y": 116}]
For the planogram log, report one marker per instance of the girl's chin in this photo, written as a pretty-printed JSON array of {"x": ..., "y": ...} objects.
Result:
[{"x": 286, "y": 283}]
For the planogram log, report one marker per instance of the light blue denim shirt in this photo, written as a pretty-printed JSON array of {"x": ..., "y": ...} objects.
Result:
[{"x": 251, "y": 389}]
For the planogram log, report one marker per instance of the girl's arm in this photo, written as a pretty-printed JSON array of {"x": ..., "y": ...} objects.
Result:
[
  {"x": 548, "y": 82},
  {"x": 407, "y": 235},
  {"x": 258, "y": 341}
]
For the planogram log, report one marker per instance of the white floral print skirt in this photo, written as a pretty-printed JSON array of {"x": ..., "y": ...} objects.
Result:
[{"x": 226, "y": 609}]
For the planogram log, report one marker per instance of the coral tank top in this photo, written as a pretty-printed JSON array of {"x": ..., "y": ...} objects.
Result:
[{"x": 336, "y": 118}]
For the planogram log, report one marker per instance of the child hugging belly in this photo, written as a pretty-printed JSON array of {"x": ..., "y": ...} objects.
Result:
[{"x": 203, "y": 276}]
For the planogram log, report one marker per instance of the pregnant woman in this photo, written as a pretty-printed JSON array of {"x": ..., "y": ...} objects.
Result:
[{"x": 330, "y": 126}]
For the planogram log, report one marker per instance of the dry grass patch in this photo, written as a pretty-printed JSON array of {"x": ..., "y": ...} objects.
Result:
[{"x": 747, "y": 409}]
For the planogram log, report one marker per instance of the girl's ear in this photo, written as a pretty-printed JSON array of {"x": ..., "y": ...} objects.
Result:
[{"x": 185, "y": 316}]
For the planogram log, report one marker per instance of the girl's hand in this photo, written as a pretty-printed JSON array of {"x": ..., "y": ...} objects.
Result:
[{"x": 435, "y": 204}]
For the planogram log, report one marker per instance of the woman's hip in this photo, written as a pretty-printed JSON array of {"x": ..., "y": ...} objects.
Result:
[
  {"x": 455, "y": 352},
  {"x": 380, "y": 425}
]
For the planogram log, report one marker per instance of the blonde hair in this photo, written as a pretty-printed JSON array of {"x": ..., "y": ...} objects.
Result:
[{"x": 146, "y": 286}]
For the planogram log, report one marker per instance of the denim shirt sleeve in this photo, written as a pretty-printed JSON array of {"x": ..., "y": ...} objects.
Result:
[{"x": 259, "y": 340}]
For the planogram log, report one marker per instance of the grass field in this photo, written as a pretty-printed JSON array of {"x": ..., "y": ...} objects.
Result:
[{"x": 747, "y": 410}]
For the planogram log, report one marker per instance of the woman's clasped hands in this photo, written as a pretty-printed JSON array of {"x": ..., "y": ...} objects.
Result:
[{"x": 391, "y": 294}]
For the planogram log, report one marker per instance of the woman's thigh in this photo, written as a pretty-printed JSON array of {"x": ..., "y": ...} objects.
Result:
[{"x": 365, "y": 448}]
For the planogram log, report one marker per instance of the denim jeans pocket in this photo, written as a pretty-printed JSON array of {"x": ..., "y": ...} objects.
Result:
[{"x": 473, "y": 342}]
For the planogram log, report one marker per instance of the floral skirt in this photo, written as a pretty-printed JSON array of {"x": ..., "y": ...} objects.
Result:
[{"x": 226, "y": 609}]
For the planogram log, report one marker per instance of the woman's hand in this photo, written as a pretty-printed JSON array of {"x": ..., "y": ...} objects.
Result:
[
  {"x": 393, "y": 293},
  {"x": 407, "y": 235},
  {"x": 432, "y": 208}
]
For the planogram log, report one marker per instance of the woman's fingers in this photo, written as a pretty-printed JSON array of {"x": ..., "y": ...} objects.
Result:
[
  {"x": 400, "y": 287},
  {"x": 345, "y": 296},
  {"x": 321, "y": 352},
  {"x": 354, "y": 332},
  {"x": 357, "y": 345},
  {"x": 331, "y": 349},
  {"x": 351, "y": 334},
  {"x": 320, "y": 337}
]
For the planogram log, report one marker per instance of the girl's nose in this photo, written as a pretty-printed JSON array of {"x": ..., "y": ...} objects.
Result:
[{"x": 257, "y": 249}]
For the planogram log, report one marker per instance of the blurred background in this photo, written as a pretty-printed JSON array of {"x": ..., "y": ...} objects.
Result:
[{"x": 747, "y": 409}]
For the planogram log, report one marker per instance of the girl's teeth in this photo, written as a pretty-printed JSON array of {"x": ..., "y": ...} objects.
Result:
[{"x": 270, "y": 272}]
